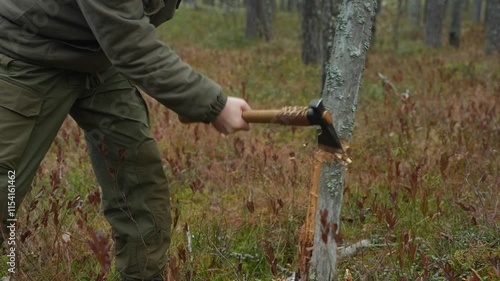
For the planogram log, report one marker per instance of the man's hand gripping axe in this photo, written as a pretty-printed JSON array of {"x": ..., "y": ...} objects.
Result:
[{"x": 314, "y": 114}]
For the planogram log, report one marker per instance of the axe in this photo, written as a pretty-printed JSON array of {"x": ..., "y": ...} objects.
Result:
[{"x": 314, "y": 114}]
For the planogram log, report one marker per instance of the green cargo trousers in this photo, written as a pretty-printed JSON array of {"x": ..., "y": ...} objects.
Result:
[{"x": 34, "y": 101}]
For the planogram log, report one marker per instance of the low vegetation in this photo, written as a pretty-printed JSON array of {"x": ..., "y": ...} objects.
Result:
[{"x": 423, "y": 187}]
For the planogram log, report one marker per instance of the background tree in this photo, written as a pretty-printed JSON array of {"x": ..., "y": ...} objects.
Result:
[
  {"x": 330, "y": 12},
  {"x": 492, "y": 43},
  {"x": 311, "y": 32},
  {"x": 414, "y": 12},
  {"x": 251, "y": 11},
  {"x": 395, "y": 34},
  {"x": 340, "y": 93},
  {"x": 456, "y": 22},
  {"x": 477, "y": 9},
  {"x": 374, "y": 26},
  {"x": 292, "y": 5},
  {"x": 434, "y": 13},
  {"x": 259, "y": 19}
]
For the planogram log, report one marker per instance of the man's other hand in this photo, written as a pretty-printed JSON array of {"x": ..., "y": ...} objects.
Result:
[{"x": 229, "y": 119}]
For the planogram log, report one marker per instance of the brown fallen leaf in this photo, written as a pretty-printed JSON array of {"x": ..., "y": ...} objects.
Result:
[{"x": 348, "y": 276}]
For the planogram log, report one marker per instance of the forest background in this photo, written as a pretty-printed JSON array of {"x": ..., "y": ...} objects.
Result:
[{"x": 421, "y": 194}]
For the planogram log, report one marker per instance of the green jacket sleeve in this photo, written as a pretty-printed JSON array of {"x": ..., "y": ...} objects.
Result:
[{"x": 128, "y": 40}]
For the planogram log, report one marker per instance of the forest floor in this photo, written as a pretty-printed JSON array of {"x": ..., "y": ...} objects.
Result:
[{"x": 423, "y": 188}]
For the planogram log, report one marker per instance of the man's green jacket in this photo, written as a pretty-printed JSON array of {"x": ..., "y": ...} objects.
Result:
[{"x": 91, "y": 35}]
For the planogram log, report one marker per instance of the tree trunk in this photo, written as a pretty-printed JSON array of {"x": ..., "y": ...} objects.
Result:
[
  {"x": 340, "y": 95},
  {"x": 414, "y": 12},
  {"x": 456, "y": 22},
  {"x": 265, "y": 16},
  {"x": 477, "y": 9},
  {"x": 395, "y": 35},
  {"x": 311, "y": 32},
  {"x": 274, "y": 7},
  {"x": 282, "y": 5},
  {"x": 374, "y": 26},
  {"x": 259, "y": 19},
  {"x": 329, "y": 18},
  {"x": 492, "y": 43},
  {"x": 434, "y": 14},
  {"x": 251, "y": 10}
]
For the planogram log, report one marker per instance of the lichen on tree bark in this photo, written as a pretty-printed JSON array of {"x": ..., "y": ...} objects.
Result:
[{"x": 344, "y": 71}]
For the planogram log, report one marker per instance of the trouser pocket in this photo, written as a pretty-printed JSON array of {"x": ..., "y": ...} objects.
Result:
[{"x": 19, "y": 108}]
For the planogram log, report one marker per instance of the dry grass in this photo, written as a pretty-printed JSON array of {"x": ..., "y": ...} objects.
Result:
[{"x": 423, "y": 186}]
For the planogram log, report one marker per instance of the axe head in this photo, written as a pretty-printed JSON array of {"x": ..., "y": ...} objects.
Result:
[{"x": 327, "y": 138}]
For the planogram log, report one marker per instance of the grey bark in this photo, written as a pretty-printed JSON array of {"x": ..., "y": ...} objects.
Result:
[
  {"x": 251, "y": 25},
  {"x": 259, "y": 19},
  {"x": 340, "y": 94},
  {"x": 265, "y": 16},
  {"x": 456, "y": 23},
  {"x": 477, "y": 9},
  {"x": 395, "y": 35},
  {"x": 374, "y": 27},
  {"x": 274, "y": 7},
  {"x": 434, "y": 13},
  {"x": 414, "y": 12},
  {"x": 492, "y": 43},
  {"x": 311, "y": 32},
  {"x": 485, "y": 15},
  {"x": 329, "y": 18}
]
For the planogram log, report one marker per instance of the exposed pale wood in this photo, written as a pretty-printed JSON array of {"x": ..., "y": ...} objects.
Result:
[{"x": 307, "y": 232}]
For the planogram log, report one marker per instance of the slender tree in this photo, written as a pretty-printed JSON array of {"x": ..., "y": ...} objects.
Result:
[
  {"x": 395, "y": 35},
  {"x": 292, "y": 5},
  {"x": 259, "y": 18},
  {"x": 456, "y": 23},
  {"x": 374, "y": 26},
  {"x": 434, "y": 13},
  {"x": 282, "y": 5},
  {"x": 340, "y": 93},
  {"x": 251, "y": 26},
  {"x": 311, "y": 32},
  {"x": 266, "y": 13},
  {"x": 414, "y": 12},
  {"x": 492, "y": 43},
  {"x": 329, "y": 17},
  {"x": 477, "y": 9}
]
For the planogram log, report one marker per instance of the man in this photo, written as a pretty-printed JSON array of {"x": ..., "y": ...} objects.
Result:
[{"x": 84, "y": 57}]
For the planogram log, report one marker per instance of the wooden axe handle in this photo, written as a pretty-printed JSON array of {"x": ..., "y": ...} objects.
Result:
[
  {"x": 293, "y": 116},
  {"x": 261, "y": 116}
]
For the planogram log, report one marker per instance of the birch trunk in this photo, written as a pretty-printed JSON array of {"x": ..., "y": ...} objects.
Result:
[{"x": 340, "y": 94}]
